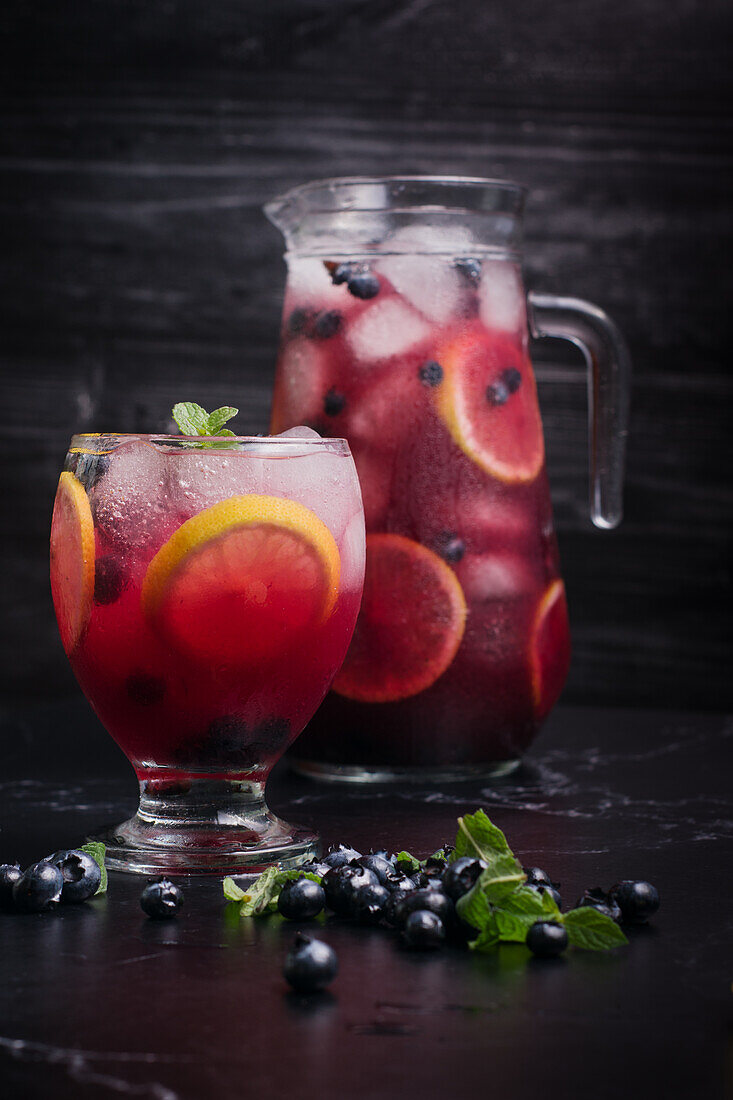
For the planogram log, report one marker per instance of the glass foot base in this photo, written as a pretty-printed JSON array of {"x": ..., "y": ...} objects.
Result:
[
  {"x": 377, "y": 773},
  {"x": 213, "y": 827}
]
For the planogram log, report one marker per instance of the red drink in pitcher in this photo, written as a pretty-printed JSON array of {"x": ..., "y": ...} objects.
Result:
[{"x": 414, "y": 346}]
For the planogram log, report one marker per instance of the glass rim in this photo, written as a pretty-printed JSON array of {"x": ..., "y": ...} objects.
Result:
[
  {"x": 449, "y": 181},
  {"x": 79, "y": 438}
]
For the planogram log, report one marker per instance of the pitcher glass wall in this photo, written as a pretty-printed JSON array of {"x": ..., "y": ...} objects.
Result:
[{"x": 406, "y": 329}]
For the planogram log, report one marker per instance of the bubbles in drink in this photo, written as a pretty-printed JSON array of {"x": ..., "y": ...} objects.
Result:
[{"x": 389, "y": 327}]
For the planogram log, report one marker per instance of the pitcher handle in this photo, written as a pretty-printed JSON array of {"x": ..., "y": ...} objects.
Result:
[{"x": 609, "y": 381}]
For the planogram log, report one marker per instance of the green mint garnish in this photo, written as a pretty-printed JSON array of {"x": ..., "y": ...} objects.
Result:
[
  {"x": 499, "y": 906},
  {"x": 96, "y": 851},
  {"x": 193, "y": 420}
]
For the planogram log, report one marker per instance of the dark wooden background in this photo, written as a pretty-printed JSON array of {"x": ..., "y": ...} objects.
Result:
[{"x": 139, "y": 140}]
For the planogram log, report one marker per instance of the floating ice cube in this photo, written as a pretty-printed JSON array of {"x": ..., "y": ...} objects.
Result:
[
  {"x": 389, "y": 327},
  {"x": 301, "y": 383},
  {"x": 301, "y": 431},
  {"x": 451, "y": 240},
  {"x": 309, "y": 283},
  {"x": 353, "y": 548},
  {"x": 429, "y": 283},
  {"x": 495, "y": 577},
  {"x": 322, "y": 480},
  {"x": 198, "y": 478},
  {"x": 131, "y": 503},
  {"x": 501, "y": 296}
]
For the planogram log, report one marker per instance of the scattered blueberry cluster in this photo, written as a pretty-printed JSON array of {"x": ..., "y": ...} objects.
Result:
[
  {"x": 421, "y": 904},
  {"x": 67, "y": 877}
]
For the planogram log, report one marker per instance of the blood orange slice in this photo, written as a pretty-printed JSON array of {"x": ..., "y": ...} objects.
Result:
[
  {"x": 549, "y": 648},
  {"x": 243, "y": 579},
  {"x": 72, "y": 559},
  {"x": 488, "y": 402},
  {"x": 410, "y": 626}
]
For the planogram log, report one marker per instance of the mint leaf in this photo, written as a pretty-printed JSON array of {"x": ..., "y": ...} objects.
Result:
[
  {"x": 520, "y": 910},
  {"x": 218, "y": 418},
  {"x": 479, "y": 838},
  {"x": 96, "y": 850},
  {"x": 225, "y": 431},
  {"x": 232, "y": 892},
  {"x": 474, "y": 908},
  {"x": 407, "y": 863},
  {"x": 487, "y": 939},
  {"x": 594, "y": 931},
  {"x": 503, "y": 875},
  {"x": 191, "y": 418}
]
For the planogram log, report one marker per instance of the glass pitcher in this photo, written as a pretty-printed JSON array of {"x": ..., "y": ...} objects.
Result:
[{"x": 405, "y": 329}]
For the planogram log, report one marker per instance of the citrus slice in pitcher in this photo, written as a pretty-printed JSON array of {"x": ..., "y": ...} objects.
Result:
[
  {"x": 72, "y": 559},
  {"x": 410, "y": 626},
  {"x": 549, "y": 648},
  {"x": 243, "y": 580},
  {"x": 488, "y": 401}
]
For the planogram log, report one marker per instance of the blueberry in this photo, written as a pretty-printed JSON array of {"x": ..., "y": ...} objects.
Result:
[
  {"x": 392, "y": 911},
  {"x": 395, "y": 881},
  {"x": 547, "y": 939},
  {"x": 426, "y": 898},
  {"x": 333, "y": 402},
  {"x": 38, "y": 888},
  {"x": 301, "y": 899},
  {"x": 459, "y": 876},
  {"x": 9, "y": 875},
  {"x": 310, "y": 965},
  {"x": 161, "y": 899},
  {"x": 145, "y": 690},
  {"x": 368, "y": 902},
  {"x": 340, "y": 884},
  {"x": 430, "y": 373},
  {"x": 537, "y": 877},
  {"x": 428, "y": 879},
  {"x": 637, "y": 900},
  {"x": 381, "y": 867},
  {"x": 450, "y": 547},
  {"x": 95, "y": 469},
  {"x": 435, "y": 864},
  {"x": 299, "y": 321},
  {"x": 469, "y": 268},
  {"x": 340, "y": 854},
  {"x": 596, "y": 898},
  {"x": 341, "y": 273},
  {"x": 315, "y": 867},
  {"x": 512, "y": 379},
  {"x": 497, "y": 393},
  {"x": 364, "y": 285},
  {"x": 109, "y": 580},
  {"x": 424, "y": 930},
  {"x": 327, "y": 324},
  {"x": 81, "y": 874}
]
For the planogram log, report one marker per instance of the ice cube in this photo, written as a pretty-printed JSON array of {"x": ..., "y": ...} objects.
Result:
[
  {"x": 300, "y": 384},
  {"x": 429, "y": 283},
  {"x": 309, "y": 283},
  {"x": 450, "y": 240},
  {"x": 389, "y": 327},
  {"x": 487, "y": 577},
  {"x": 320, "y": 479},
  {"x": 501, "y": 296},
  {"x": 199, "y": 478},
  {"x": 352, "y": 549},
  {"x": 302, "y": 431},
  {"x": 131, "y": 502}
]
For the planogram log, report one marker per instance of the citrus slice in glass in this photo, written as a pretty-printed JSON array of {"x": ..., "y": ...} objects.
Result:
[
  {"x": 243, "y": 579},
  {"x": 549, "y": 648},
  {"x": 410, "y": 626},
  {"x": 488, "y": 401},
  {"x": 72, "y": 559}
]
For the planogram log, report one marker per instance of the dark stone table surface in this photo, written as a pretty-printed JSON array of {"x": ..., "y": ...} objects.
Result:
[{"x": 98, "y": 1001}]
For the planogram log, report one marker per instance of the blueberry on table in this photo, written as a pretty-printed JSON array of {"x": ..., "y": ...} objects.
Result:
[
  {"x": 301, "y": 899},
  {"x": 392, "y": 913},
  {"x": 369, "y": 901},
  {"x": 38, "y": 888},
  {"x": 396, "y": 882},
  {"x": 161, "y": 899},
  {"x": 596, "y": 898},
  {"x": 427, "y": 897},
  {"x": 9, "y": 875},
  {"x": 460, "y": 876},
  {"x": 424, "y": 930},
  {"x": 341, "y": 883},
  {"x": 381, "y": 867},
  {"x": 537, "y": 877},
  {"x": 364, "y": 285},
  {"x": 81, "y": 874},
  {"x": 310, "y": 965},
  {"x": 339, "y": 854},
  {"x": 547, "y": 939},
  {"x": 637, "y": 900},
  {"x": 315, "y": 867}
]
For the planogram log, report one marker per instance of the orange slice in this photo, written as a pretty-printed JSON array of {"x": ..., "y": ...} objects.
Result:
[
  {"x": 549, "y": 648},
  {"x": 241, "y": 580},
  {"x": 72, "y": 559},
  {"x": 488, "y": 402},
  {"x": 410, "y": 626}
]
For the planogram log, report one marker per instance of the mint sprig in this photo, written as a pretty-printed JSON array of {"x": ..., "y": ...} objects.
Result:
[
  {"x": 593, "y": 931},
  {"x": 96, "y": 850},
  {"x": 192, "y": 419},
  {"x": 260, "y": 896}
]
